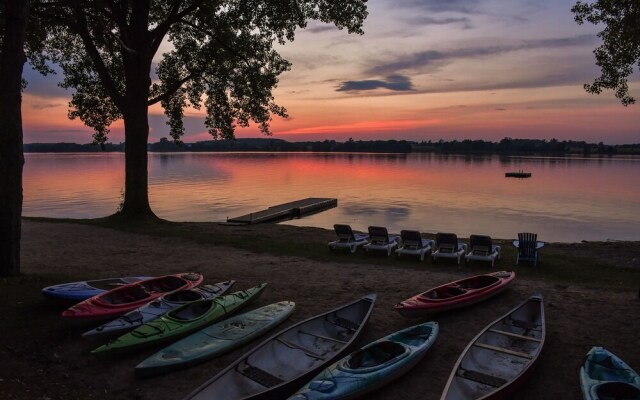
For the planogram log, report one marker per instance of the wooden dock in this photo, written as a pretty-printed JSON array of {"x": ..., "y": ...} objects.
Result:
[{"x": 282, "y": 212}]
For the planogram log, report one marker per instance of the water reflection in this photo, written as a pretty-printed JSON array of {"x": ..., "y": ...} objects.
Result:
[{"x": 567, "y": 199}]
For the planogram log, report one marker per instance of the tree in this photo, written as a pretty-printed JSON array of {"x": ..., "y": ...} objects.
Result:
[
  {"x": 12, "y": 60},
  {"x": 222, "y": 57},
  {"x": 620, "y": 50}
]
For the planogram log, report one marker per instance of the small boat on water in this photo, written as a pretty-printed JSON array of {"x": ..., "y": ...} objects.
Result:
[
  {"x": 216, "y": 339},
  {"x": 517, "y": 174},
  {"x": 123, "y": 299},
  {"x": 604, "y": 376},
  {"x": 456, "y": 294},
  {"x": 183, "y": 320},
  {"x": 280, "y": 365},
  {"x": 372, "y": 366},
  {"x": 154, "y": 309},
  {"x": 82, "y": 290},
  {"x": 501, "y": 357}
]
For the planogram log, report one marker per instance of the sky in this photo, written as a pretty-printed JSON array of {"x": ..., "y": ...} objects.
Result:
[{"x": 423, "y": 70}]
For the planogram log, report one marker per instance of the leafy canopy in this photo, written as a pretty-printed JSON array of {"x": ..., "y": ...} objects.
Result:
[
  {"x": 620, "y": 50},
  {"x": 222, "y": 55}
]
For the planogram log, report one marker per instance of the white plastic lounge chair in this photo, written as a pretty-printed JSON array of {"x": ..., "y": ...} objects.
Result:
[
  {"x": 413, "y": 244},
  {"x": 528, "y": 247},
  {"x": 347, "y": 239},
  {"x": 380, "y": 240},
  {"x": 482, "y": 249},
  {"x": 447, "y": 246}
]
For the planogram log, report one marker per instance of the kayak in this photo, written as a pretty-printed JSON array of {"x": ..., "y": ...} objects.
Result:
[
  {"x": 605, "y": 376},
  {"x": 216, "y": 339},
  {"x": 501, "y": 357},
  {"x": 182, "y": 321},
  {"x": 78, "y": 291},
  {"x": 372, "y": 366},
  {"x": 457, "y": 294},
  {"x": 123, "y": 299},
  {"x": 281, "y": 364},
  {"x": 156, "y": 308}
]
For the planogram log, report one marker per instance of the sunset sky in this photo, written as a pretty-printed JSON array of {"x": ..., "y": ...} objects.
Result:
[{"x": 423, "y": 70}]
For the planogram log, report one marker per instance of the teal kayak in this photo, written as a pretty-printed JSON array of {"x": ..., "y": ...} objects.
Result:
[
  {"x": 183, "y": 320},
  {"x": 372, "y": 366},
  {"x": 604, "y": 376},
  {"x": 216, "y": 339}
]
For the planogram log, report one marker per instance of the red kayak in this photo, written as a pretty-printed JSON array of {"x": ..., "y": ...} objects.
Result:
[
  {"x": 455, "y": 294},
  {"x": 123, "y": 299}
]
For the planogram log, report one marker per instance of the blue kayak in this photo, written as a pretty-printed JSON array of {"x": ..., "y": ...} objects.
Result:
[
  {"x": 79, "y": 291},
  {"x": 373, "y": 366},
  {"x": 604, "y": 376}
]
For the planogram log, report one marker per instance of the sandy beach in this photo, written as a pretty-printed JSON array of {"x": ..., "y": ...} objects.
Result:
[{"x": 45, "y": 359}]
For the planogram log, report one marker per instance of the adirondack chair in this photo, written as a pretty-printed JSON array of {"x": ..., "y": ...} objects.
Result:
[{"x": 528, "y": 248}]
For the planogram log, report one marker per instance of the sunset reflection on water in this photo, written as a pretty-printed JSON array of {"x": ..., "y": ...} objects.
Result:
[{"x": 567, "y": 199}]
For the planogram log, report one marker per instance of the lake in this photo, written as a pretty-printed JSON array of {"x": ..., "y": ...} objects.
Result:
[{"x": 565, "y": 200}]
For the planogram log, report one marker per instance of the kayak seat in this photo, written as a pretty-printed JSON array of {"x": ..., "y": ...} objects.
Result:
[
  {"x": 617, "y": 390},
  {"x": 191, "y": 311},
  {"x": 377, "y": 354}
]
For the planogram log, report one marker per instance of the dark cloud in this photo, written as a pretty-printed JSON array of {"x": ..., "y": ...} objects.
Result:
[
  {"x": 320, "y": 28},
  {"x": 460, "y": 6},
  {"x": 432, "y": 59},
  {"x": 466, "y": 22},
  {"x": 398, "y": 83}
]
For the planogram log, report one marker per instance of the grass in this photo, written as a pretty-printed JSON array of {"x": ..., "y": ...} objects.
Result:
[{"x": 557, "y": 265}]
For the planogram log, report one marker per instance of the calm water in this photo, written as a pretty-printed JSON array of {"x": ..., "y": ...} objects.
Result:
[{"x": 566, "y": 200}]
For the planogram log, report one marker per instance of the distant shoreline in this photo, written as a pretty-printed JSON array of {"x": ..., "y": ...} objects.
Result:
[{"x": 506, "y": 146}]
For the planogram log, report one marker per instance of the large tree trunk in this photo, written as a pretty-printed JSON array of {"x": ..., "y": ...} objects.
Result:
[
  {"x": 11, "y": 155},
  {"x": 136, "y": 124}
]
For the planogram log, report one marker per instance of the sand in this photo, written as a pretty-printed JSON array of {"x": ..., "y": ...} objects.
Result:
[{"x": 45, "y": 359}]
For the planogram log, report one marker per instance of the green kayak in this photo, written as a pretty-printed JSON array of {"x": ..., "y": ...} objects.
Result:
[
  {"x": 183, "y": 320},
  {"x": 216, "y": 339}
]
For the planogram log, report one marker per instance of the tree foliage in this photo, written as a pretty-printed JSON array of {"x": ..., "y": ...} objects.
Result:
[
  {"x": 620, "y": 50},
  {"x": 221, "y": 55}
]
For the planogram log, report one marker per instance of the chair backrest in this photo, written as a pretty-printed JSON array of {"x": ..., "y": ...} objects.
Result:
[
  {"x": 447, "y": 242},
  {"x": 411, "y": 238},
  {"x": 378, "y": 234},
  {"x": 527, "y": 243},
  {"x": 344, "y": 232},
  {"x": 481, "y": 244}
]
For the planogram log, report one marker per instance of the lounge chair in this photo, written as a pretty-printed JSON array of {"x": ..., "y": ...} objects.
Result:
[
  {"x": 447, "y": 246},
  {"x": 380, "y": 240},
  {"x": 528, "y": 247},
  {"x": 413, "y": 244},
  {"x": 347, "y": 239},
  {"x": 482, "y": 249}
]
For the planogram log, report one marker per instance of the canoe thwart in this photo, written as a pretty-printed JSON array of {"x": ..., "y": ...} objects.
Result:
[
  {"x": 321, "y": 337},
  {"x": 524, "y": 324},
  {"x": 306, "y": 350},
  {"x": 514, "y": 335},
  {"x": 260, "y": 376},
  {"x": 503, "y": 350},
  {"x": 483, "y": 378}
]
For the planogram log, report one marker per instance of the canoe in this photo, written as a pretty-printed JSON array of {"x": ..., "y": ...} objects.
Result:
[
  {"x": 372, "y": 366},
  {"x": 457, "y": 294},
  {"x": 182, "y": 321},
  {"x": 123, "y": 299},
  {"x": 604, "y": 375},
  {"x": 501, "y": 357},
  {"x": 216, "y": 339},
  {"x": 283, "y": 363},
  {"x": 78, "y": 291},
  {"x": 154, "y": 309}
]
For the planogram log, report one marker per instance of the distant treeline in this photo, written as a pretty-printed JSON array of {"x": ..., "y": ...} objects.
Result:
[{"x": 505, "y": 146}]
